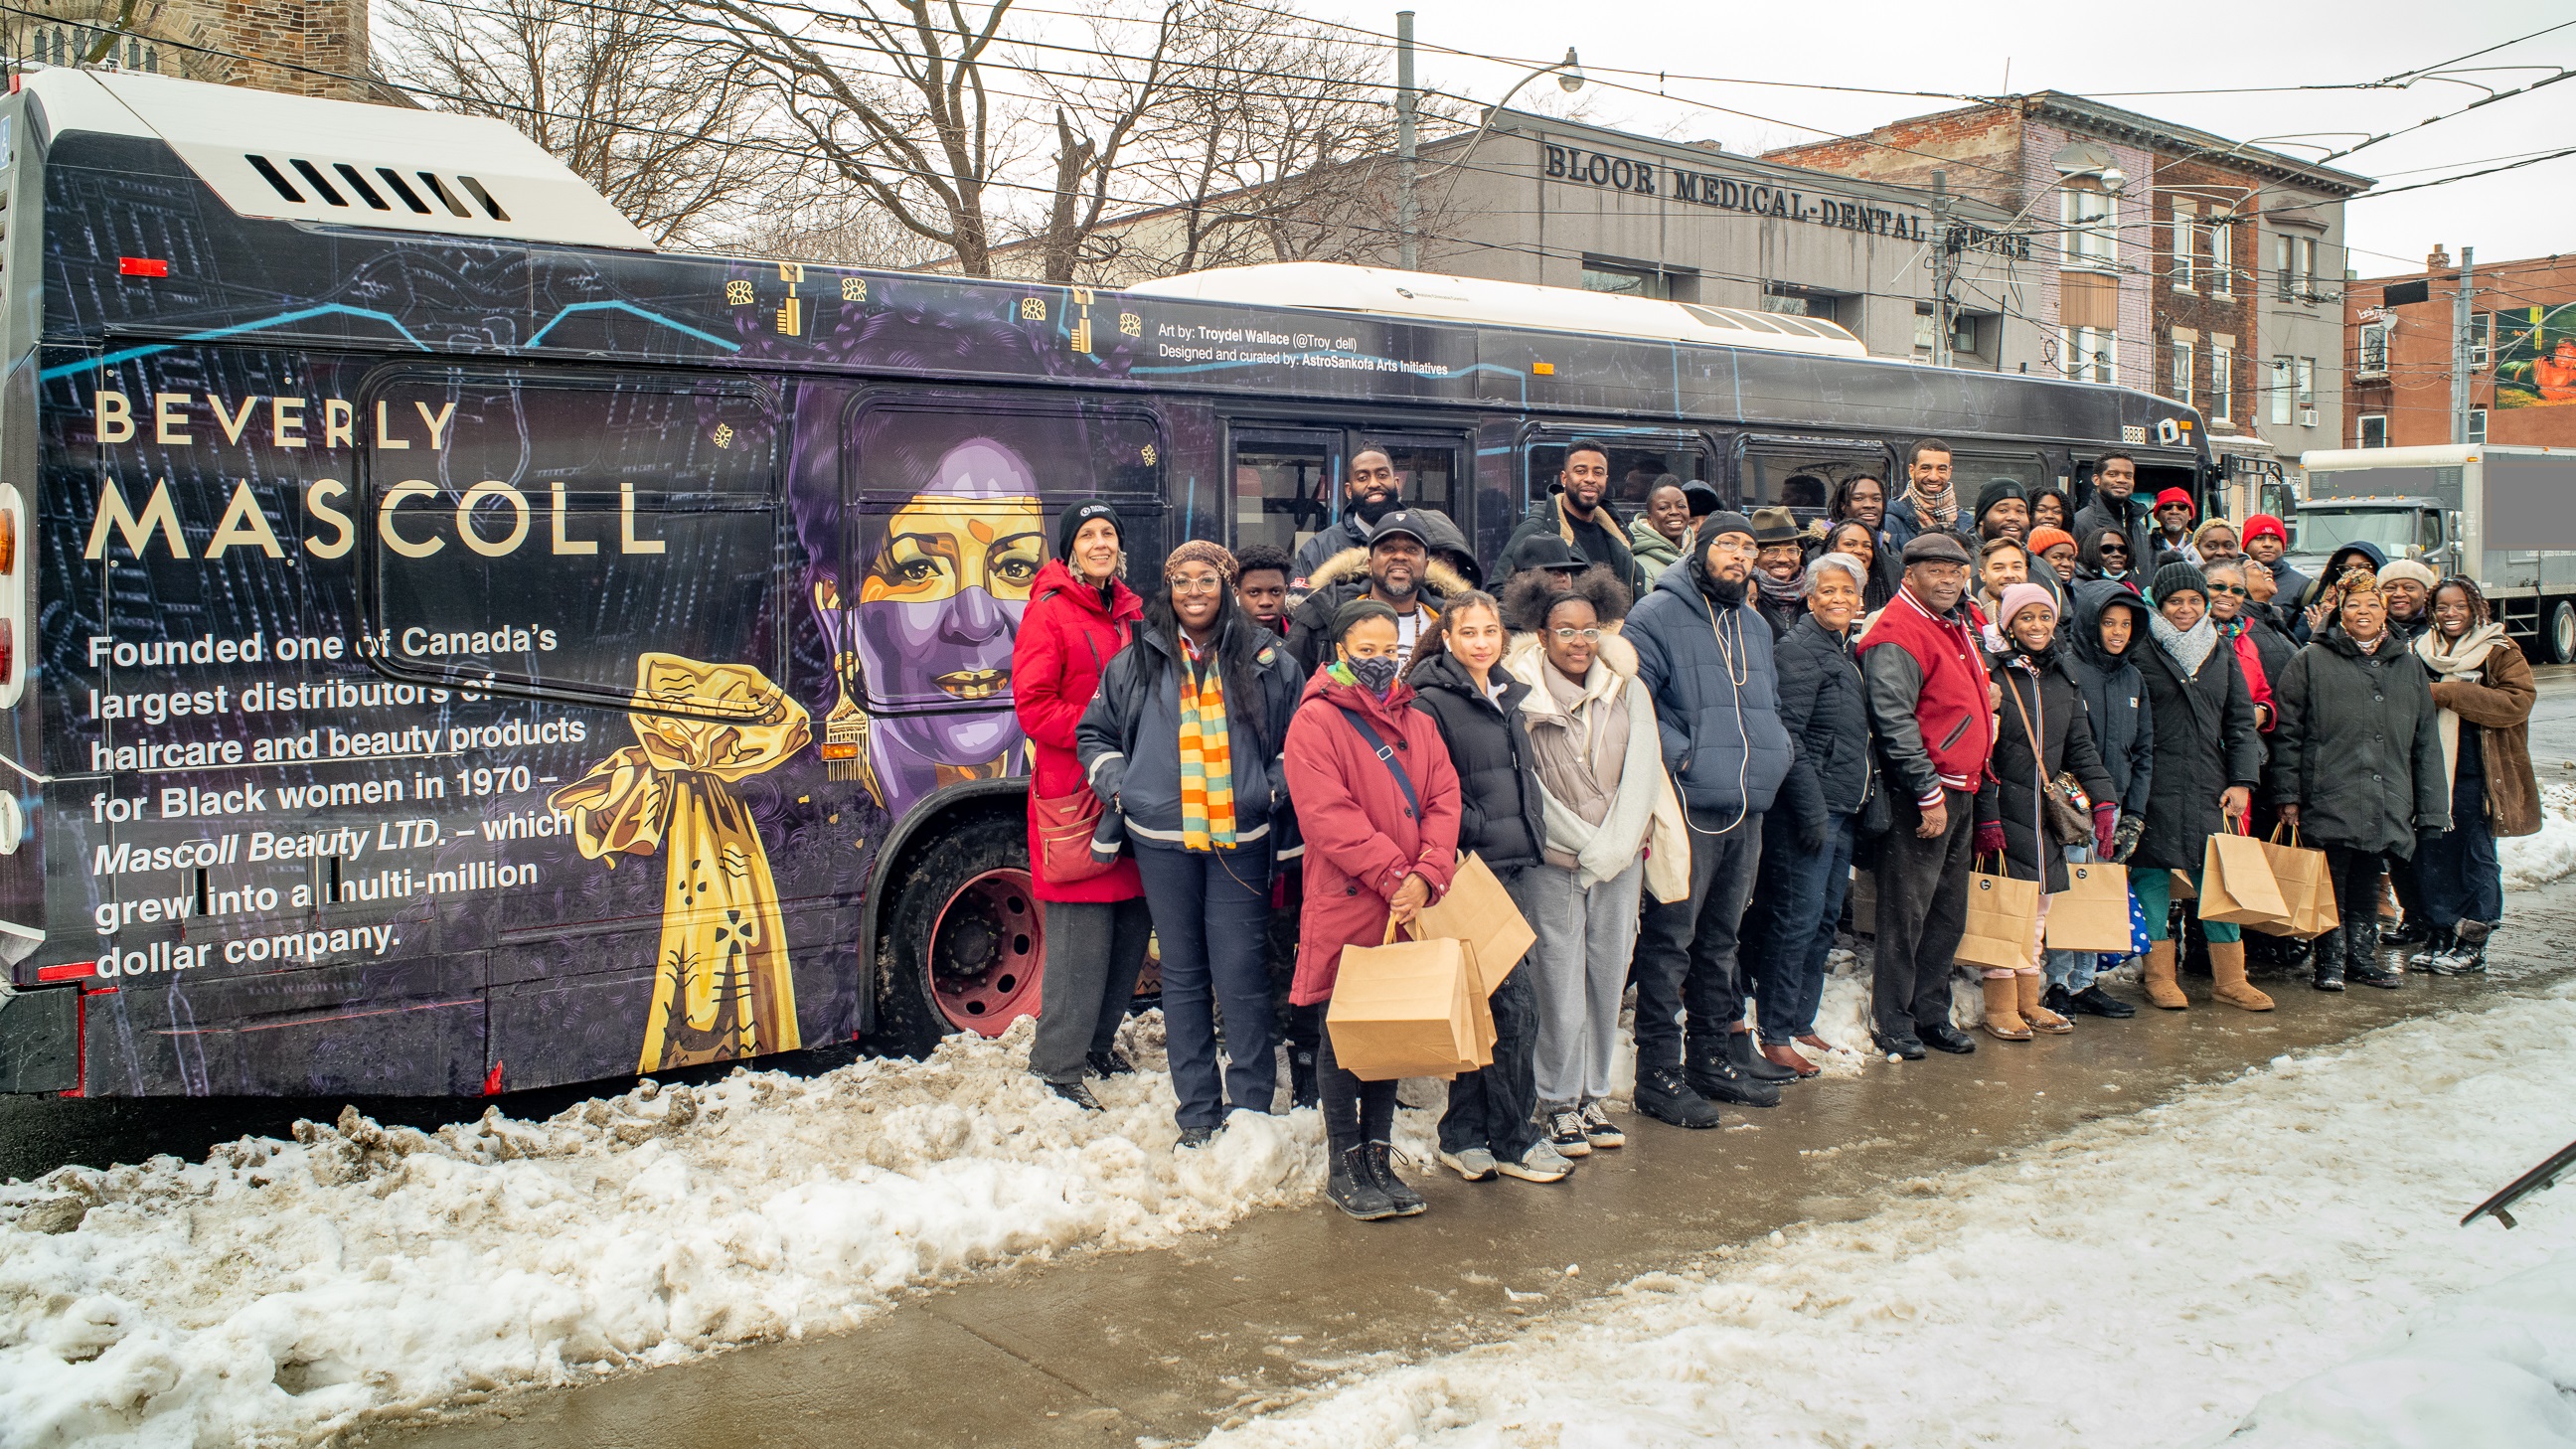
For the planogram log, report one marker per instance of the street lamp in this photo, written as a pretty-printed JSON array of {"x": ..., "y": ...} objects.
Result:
[{"x": 1569, "y": 79}]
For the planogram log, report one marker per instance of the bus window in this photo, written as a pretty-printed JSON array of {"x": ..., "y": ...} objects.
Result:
[
  {"x": 544, "y": 535},
  {"x": 1426, "y": 471},
  {"x": 1285, "y": 486},
  {"x": 1637, "y": 464},
  {"x": 1971, "y": 469},
  {"x": 1803, "y": 478}
]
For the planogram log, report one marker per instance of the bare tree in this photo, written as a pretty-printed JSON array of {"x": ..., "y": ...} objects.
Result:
[{"x": 662, "y": 118}]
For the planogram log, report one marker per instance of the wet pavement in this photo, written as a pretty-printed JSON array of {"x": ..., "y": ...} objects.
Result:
[
  {"x": 1170, "y": 1344},
  {"x": 2553, "y": 723}
]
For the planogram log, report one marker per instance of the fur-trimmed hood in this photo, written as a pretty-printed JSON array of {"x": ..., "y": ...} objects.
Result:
[{"x": 1350, "y": 566}]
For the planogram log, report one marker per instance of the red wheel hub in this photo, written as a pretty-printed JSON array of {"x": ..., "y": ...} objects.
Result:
[{"x": 988, "y": 953}]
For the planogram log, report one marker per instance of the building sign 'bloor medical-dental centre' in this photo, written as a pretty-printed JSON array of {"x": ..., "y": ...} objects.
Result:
[{"x": 1641, "y": 177}]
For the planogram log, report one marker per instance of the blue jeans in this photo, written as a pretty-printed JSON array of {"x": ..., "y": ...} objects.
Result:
[
  {"x": 1211, "y": 908},
  {"x": 2073, "y": 970},
  {"x": 1796, "y": 902}
]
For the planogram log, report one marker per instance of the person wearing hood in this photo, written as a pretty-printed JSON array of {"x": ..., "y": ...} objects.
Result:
[
  {"x": 1396, "y": 569},
  {"x": 2266, "y": 540},
  {"x": 2208, "y": 759},
  {"x": 1491, "y": 1125},
  {"x": 2231, "y": 613},
  {"x": 1448, "y": 547},
  {"x": 2357, "y": 769},
  {"x": 1779, "y": 569},
  {"x": 1704, "y": 656},
  {"x": 1809, "y": 833},
  {"x": 1577, "y": 511},
  {"x": 2116, "y": 505},
  {"x": 1378, "y": 807},
  {"x": 1371, "y": 492},
  {"x": 2041, "y": 731},
  {"x": 1613, "y": 829},
  {"x": 1930, "y": 502},
  {"x": 2104, "y": 554},
  {"x": 2315, "y": 605},
  {"x": 2110, "y": 629},
  {"x": 1079, "y": 617},
  {"x": 2484, "y": 689},
  {"x": 2003, "y": 510},
  {"x": 1931, "y": 709},
  {"x": 2174, "y": 512},
  {"x": 1661, "y": 530},
  {"x": 2407, "y": 585},
  {"x": 1182, "y": 742}
]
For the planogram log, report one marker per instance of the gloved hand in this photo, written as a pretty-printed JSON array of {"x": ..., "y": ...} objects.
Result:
[
  {"x": 2124, "y": 840},
  {"x": 1989, "y": 839},
  {"x": 2106, "y": 829},
  {"x": 1811, "y": 835}
]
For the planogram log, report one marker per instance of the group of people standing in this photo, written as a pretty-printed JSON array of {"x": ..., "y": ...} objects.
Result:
[{"x": 1674, "y": 740}]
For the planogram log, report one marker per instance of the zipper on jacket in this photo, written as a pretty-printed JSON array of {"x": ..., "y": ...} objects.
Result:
[{"x": 1953, "y": 737}]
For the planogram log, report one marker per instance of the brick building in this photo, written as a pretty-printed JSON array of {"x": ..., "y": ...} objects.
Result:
[
  {"x": 2522, "y": 355},
  {"x": 301, "y": 47},
  {"x": 2164, "y": 256}
]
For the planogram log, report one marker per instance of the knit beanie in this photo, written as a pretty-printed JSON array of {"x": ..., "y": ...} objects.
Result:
[
  {"x": 1724, "y": 520},
  {"x": 1996, "y": 491},
  {"x": 2019, "y": 597},
  {"x": 1075, "y": 515},
  {"x": 2176, "y": 495},
  {"x": 2179, "y": 578},
  {"x": 2262, "y": 524},
  {"x": 2407, "y": 568},
  {"x": 2044, "y": 539}
]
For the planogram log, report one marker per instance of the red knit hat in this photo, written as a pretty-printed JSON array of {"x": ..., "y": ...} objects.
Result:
[
  {"x": 2176, "y": 495},
  {"x": 2261, "y": 524}
]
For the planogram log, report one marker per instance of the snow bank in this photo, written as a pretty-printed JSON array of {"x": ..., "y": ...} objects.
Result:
[
  {"x": 280, "y": 1290},
  {"x": 2531, "y": 861},
  {"x": 2141, "y": 1281}
]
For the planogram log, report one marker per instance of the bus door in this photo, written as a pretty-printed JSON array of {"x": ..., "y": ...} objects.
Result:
[
  {"x": 1639, "y": 459},
  {"x": 1288, "y": 481},
  {"x": 1803, "y": 473}
]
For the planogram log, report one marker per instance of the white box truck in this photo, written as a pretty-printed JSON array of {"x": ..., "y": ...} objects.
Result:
[{"x": 2505, "y": 517}]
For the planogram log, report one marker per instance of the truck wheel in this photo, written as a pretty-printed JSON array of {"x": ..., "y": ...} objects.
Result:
[
  {"x": 2562, "y": 633},
  {"x": 965, "y": 940}
]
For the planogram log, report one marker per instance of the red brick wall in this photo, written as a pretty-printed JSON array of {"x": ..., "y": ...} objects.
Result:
[
  {"x": 2415, "y": 396},
  {"x": 2204, "y": 310}
]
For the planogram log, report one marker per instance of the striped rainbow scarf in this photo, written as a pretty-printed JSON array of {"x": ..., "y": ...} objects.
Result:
[{"x": 1207, "y": 760}]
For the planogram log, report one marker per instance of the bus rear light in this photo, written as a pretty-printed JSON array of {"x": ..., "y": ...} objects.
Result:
[
  {"x": 68, "y": 971},
  {"x": 8, "y": 651},
  {"x": 142, "y": 267},
  {"x": 8, "y": 542}
]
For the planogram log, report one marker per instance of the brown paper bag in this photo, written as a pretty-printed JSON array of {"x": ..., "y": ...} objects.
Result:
[
  {"x": 1478, "y": 911},
  {"x": 2179, "y": 886},
  {"x": 2092, "y": 913},
  {"x": 2236, "y": 884},
  {"x": 2305, "y": 886},
  {"x": 2003, "y": 922},
  {"x": 1409, "y": 1009}
]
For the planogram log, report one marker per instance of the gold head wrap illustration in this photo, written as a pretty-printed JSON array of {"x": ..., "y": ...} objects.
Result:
[{"x": 722, "y": 988}]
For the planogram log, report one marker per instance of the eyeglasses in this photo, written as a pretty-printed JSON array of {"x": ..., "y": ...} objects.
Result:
[
  {"x": 1736, "y": 550},
  {"x": 1568, "y": 636},
  {"x": 1203, "y": 584}
]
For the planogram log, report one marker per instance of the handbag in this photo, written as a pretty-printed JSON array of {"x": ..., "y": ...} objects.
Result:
[
  {"x": 2066, "y": 824},
  {"x": 1066, "y": 824}
]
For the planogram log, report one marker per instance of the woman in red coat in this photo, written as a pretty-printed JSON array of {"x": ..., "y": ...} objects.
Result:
[
  {"x": 1079, "y": 617},
  {"x": 1381, "y": 835}
]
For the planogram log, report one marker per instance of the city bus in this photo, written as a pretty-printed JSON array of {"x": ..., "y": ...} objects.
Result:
[{"x": 450, "y": 647}]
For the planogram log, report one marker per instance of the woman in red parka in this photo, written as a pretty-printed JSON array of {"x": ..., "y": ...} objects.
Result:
[
  {"x": 1079, "y": 616},
  {"x": 1381, "y": 833}
]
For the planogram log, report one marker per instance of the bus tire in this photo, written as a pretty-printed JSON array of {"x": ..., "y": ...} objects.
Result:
[
  {"x": 964, "y": 941},
  {"x": 2558, "y": 638}
]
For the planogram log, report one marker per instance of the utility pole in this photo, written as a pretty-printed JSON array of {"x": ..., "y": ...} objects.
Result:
[
  {"x": 2463, "y": 314},
  {"x": 1941, "y": 269},
  {"x": 1408, "y": 250}
]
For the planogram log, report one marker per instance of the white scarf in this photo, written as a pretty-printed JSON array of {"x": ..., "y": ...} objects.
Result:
[
  {"x": 2462, "y": 663},
  {"x": 2191, "y": 647}
]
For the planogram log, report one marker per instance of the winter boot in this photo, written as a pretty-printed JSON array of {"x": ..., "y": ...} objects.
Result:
[
  {"x": 2162, "y": 989},
  {"x": 1714, "y": 1074},
  {"x": 2034, "y": 1013},
  {"x": 2468, "y": 953},
  {"x": 1740, "y": 1048},
  {"x": 1381, "y": 1166},
  {"x": 1666, "y": 1094},
  {"x": 2003, "y": 1009},
  {"x": 2361, "y": 957},
  {"x": 2227, "y": 968},
  {"x": 2325, "y": 959},
  {"x": 1351, "y": 1187},
  {"x": 1303, "y": 1089},
  {"x": 2440, "y": 943}
]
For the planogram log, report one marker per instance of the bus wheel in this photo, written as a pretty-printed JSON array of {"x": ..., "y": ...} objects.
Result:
[
  {"x": 965, "y": 943},
  {"x": 2562, "y": 633}
]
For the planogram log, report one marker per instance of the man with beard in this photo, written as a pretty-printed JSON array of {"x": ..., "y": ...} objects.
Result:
[
  {"x": 2174, "y": 513},
  {"x": 1932, "y": 708},
  {"x": 2115, "y": 505},
  {"x": 1372, "y": 492},
  {"x": 1577, "y": 512},
  {"x": 1704, "y": 654},
  {"x": 1930, "y": 503},
  {"x": 2266, "y": 540},
  {"x": 2003, "y": 510},
  {"x": 1399, "y": 564}
]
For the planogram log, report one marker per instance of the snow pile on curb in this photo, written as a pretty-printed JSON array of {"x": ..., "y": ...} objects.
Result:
[
  {"x": 281, "y": 1290},
  {"x": 2144, "y": 1280},
  {"x": 2531, "y": 861}
]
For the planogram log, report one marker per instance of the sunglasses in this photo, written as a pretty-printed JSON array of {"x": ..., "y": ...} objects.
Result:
[
  {"x": 2237, "y": 589},
  {"x": 2121, "y": 549}
]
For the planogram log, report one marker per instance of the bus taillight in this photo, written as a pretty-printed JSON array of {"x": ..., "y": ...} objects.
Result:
[
  {"x": 8, "y": 651},
  {"x": 8, "y": 542}
]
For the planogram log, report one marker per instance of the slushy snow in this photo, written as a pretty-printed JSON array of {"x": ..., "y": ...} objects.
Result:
[
  {"x": 2532, "y": 861},
  {"x": 2146, "y": 1280}
]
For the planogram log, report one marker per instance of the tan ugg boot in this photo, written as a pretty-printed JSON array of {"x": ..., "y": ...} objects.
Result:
[
  {"x": 2003, "y": 1010},
  {"x": 2161, "y": 986},
  {"x": 2027, "y": 987},
  {"x": 2227, "y": 966}
]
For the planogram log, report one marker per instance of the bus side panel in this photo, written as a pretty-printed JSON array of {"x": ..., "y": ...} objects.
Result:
[{"x": 401, "y": 1028}]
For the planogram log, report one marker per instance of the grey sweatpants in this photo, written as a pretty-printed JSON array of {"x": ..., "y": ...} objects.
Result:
[
  {"x": 1585, "y": 938},
  {"x": 1094, "y": 952}
]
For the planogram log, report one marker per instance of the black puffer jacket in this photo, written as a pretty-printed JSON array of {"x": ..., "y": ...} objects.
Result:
[
  {"x": 1504, "y": 818},
  {"x": 2115, "y": 695},
  {"x": 1825, "y": 707},
  {"x": 2045, "y": 691},
  {"x": 2205, "y": 742},
  {"x": 2358, "y": 746}
]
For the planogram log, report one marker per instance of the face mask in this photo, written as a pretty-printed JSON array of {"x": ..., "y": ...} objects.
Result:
[{"x": 1376, "y": 673}]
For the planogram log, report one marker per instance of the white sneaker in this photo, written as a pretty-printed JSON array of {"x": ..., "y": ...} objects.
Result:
[
  {"x": 1598, "y": 1130},
  {"x": 1565, "y": 1133},
  {"x": 1542, "y": 1163},
  {"x": 1475, "y": 1164}
]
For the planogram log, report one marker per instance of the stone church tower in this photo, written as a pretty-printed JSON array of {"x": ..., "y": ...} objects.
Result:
[{"x": 301, "y": 47}]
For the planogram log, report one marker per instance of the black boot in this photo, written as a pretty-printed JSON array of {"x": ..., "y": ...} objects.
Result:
[
  {"x": 1714, "y": 1075},
  {"x": 2407, "y": 932},
  {"x": 1666, "y": 1095},
  {"x": 2361, "y": 957},
  {"x": 1078, "y": 1092},
  {"x": 1739, "y": 1049},
  {"x": 1381, "y": 1166},
  {"x": 1941, "y": 1036},
  {"x": 1351, "y": 1187},
  {"x": 2326, "y": 961},
  {"x": 1111, "y": 1063},
  {"x": 2440, "y": 944},
  {"x": 1302, "y": 1090},
  {"x": 2468, "y": 955}
]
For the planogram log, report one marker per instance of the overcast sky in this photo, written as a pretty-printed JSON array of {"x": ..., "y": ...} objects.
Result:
[{"x": 2095, "y": 51}]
